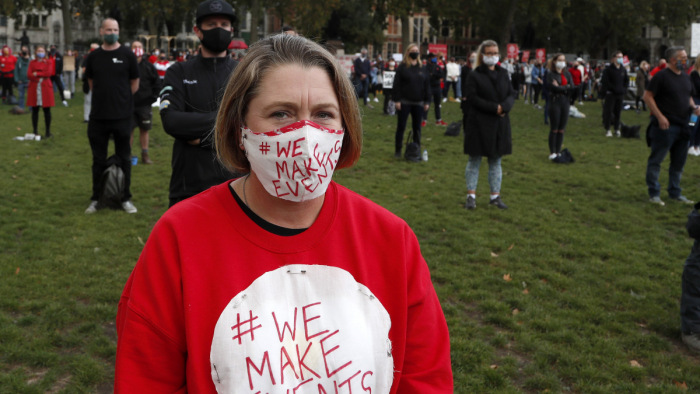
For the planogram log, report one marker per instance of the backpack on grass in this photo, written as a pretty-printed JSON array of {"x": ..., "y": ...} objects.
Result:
[
  {"x": 112, "y": 184},
  {"x": 453, "y": 129}
]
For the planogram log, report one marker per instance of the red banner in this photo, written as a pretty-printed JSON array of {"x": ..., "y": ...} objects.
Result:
[
  {"x": 512, "y": 51},
  {"x": 526, "y": 56},
  {"x": 541, "y": 55},
  {"x": 438, "y": 48}
]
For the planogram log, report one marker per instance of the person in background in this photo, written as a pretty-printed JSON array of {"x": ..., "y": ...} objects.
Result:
[
  {"x": 537, "y": 81},
  {"x": 113, "y": 76},
  {"x": 289, "y": 30},
  {"x": 319, "y": 254},
  {"x": 614, "y": 84},
  {"x": 670, "y": 101},
  {"x": 57, "y": 79},
  {"x": 21, "y": 77},
  {"x": 412, "y": 96},
  {"x": 690, "y": 286},
  {"x": 464, "y": 74},
  {"x": 452, "y": 79},
  {"x": 490, "y": 97},
  {"x": 575, "y": 74},
  {"x": 162, "y": 65},
  {"x": 362, "y": 79},
  {"x": 560, "y": 86},
  {"x": 437, "y": 76},
  {"x": 149, "y": 87},
  {"x": 641, "y": 81},
  {"x": 584, "y": 79},
  {"x": 694, "y": 144},
  {"x": 388, "y": 85},
  {"x": 40, "y": 92},
  {"x": 188, "y": 110},
  {"x": 660, "y": 66},
  {"x": 69, "y": 71},
  {"x": 527, "y": 87},
  {"x": 87, "y": 100},
  {"x": 7, "y": 70}
]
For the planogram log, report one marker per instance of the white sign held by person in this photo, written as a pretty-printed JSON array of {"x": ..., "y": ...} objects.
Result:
[{"x": 388, "y": 79}]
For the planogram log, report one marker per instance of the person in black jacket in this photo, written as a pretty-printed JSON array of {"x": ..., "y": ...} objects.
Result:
[
  {"x": 614, "y": 84},
  {"x": 190, "y": 101},
  {"x": 149, "y": 86},
  {"x": 690, "y": 290},
  {"x": 560, "y": 85},
  {"x": 411, "y": 94},
  {"x": 490, "y": 97},
  {"x": 437, "y": 76}
]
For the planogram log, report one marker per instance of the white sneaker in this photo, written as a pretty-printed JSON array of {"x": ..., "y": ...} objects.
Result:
[
  {"x": 444, "y": 100},
  {"x": 376, "y": 100},
  {"x": 457, "y": 100},
  {"x": 552, "y": 156},
  {"x": 65, "y": 103},
  {"x": 92, "y": 208},
  {"x": 691, "y": 151},
  {"x": 617, "y": 134},
  {"x": 580, "y": 103},
  {"x": 608, "y": 134},
  {"x": 128, "y": 207}
]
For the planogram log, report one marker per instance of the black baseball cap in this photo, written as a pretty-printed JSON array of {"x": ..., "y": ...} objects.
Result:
[{"x": 214, "y": 7}]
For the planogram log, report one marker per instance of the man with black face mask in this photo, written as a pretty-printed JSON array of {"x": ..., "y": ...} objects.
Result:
[{"x": 190, "y": 101}]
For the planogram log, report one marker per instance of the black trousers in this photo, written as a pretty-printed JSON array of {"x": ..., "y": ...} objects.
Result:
[
  {"x": 56, "y": 79},
  {"x": 612, "y": 107},
  {"x": 7, "y": 87},
  {"x": 538, "y": 89},
  {"x": 47, "y": 119},
  {"x": 416, "y": 112},
  {"x": 437, "y": 100},
  {"x": 558, "y": 112},
  {"x": 99, "y": 132}
]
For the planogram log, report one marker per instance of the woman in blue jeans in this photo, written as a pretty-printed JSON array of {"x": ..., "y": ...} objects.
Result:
[{"x": 490, "y": 97}]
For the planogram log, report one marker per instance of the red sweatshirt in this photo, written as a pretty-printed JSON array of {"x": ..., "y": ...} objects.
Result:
[{"x": 217, "y": 303}]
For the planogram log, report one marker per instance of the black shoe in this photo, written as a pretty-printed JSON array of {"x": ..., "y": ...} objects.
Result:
[
  {"x": 471, "y": 203},
  {"x": 397, "y": 155},
  {"x": 498, "y": 203},
  {"x": 48, "y": 135}
]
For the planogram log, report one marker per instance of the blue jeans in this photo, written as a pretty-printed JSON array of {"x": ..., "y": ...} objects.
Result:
[
  {"x": 21, "y": 88},
  {"x": 459, "y": 86},
  {"x": 495, "y": 173},
  {"x": 662, "y": 142},
  {"x": 362, "y": 89}
]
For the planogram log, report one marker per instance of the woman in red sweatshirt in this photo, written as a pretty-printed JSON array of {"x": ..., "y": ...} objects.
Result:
[{"x": 40, "y": 90}]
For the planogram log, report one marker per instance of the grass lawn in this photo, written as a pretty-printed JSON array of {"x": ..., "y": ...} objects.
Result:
[{"x": 575, "y": 288}]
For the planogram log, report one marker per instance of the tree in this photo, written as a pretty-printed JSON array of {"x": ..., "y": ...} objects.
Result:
[{"x": 355, "y": 24}]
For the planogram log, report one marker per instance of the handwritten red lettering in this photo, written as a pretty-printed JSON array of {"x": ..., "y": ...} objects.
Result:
[
  {"x": 296, "y": 188},
  {"x": 347, "y": 381},
  {"x": 276, "y": 184},
  {"x": 251, "y": 329},
  {"x": 366, "y": 388},
  {"x": 282, "y": 168},
  {"x": 308, "y": 166},
  {"x": 281, "y": 150},
  {"x": 338, "y": 146},
  {"x": 300, "y": 359},
  {"x": 285, "y": 326},
  {"x": 297, "y": 147},
  {"x": 309, "y": 319},
  {"x": 321, "y": 389},
  {"x": 301, "y": 384},
  {"x": 307, "y": 185},
  {"x": 284, "y": 364},
  {"x": 295, "y": 169},
  {"x": 326, "y": 353},
  {"x": 265, "y": 360}
]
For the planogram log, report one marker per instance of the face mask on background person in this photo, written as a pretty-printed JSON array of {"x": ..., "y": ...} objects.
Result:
[
  {"x": 40, "y": 55},
  {"x": 110, "y": 38},
  {"x": 620, "y": 61},
  {"x": 413, "y": 55},
  {"x": 560, "y": 65},
  {"x": 490, "y": 60},
  {"x": 138, "y": 51},
  {"x": 295, "y": 162},
  {"x": 217, "y": 39}
]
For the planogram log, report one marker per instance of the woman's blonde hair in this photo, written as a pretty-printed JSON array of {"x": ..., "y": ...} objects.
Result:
[
  {"x": 482, "y": 48},
  {"x": 244, "y": 84},
  {"x": 696, "y": 65},
  {"x": 407, "y": 51}
]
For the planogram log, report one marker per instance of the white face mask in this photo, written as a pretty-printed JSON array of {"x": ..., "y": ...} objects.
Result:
[
  {"x": 560, "y": 65},
  {"x": 296, "y": 162},
  {"x": 490, "y": 60}
]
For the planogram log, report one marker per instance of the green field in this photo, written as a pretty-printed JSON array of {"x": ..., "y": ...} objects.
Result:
[{"x": 575, "y": 288}]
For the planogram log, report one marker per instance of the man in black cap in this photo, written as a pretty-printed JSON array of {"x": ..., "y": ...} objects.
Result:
[{"x": 190, "y": 100}]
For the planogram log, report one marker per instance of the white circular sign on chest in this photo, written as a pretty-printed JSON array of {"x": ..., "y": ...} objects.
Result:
[{"x": 303, "y": 329}]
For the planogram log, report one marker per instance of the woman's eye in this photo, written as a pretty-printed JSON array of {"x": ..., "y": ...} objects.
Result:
[
  {"x": 325, "y": 115},
  {"x": 279, "y": 115}
]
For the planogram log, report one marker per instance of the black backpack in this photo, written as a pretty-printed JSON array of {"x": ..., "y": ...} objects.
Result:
[
  {"x": 453, "y": 129},
  {"x": 112, "y": 184},
  {"x": 565, "y": 157}
]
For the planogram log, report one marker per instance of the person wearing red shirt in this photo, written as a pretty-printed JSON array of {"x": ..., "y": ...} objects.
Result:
[
  {"x": 162, "y": 65},
  {"x": 7, "y": 72},
  {"x": 576, "y": 79},
  {"x": 281, "y": 282},
  {"x": 661, "y": 66},
  {"x": 40, "y": 90}
]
